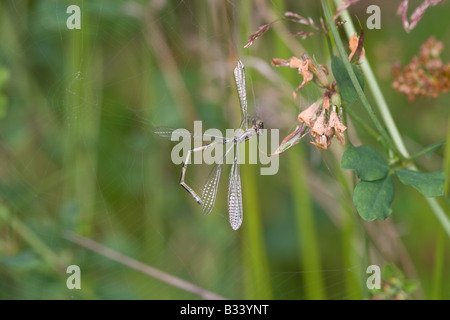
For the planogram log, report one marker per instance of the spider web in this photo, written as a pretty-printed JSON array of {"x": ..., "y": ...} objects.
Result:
[{"x": 80, "y": 156}]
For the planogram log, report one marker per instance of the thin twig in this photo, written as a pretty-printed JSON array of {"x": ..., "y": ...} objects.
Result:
[{"x": 141, "y": 267}]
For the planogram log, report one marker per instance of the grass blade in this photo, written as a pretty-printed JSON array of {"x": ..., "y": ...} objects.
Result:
[{"x": 307, "y": 233}]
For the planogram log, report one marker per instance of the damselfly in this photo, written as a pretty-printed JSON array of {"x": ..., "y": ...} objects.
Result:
[{"x": 249, "y": 127}]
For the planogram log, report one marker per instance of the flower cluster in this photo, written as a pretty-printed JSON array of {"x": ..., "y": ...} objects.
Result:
[
  {"x": 322, "y": 119},
  {"x": 425, "y": 75},
  {"x": 357, "y": 52}
]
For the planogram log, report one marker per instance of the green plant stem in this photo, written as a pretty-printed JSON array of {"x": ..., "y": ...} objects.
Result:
[
  {"x": 363, "y": 124},
  {"x": 257, "y": 274},
  {"x": 440, "y": 214},
  {"x": 447, "y": 161},
  {"x": 306, "y": 229},
  {"x": 307, "y": 232},
  {"x": 348, "y": 67},
  {"x": 154, "y": 194},
  {"x": 329, "y": 39},
  {"x": 381, "y": 103},
  {"x": 427, "y": 150},
  {"x": 82, "y": 125},
  {"x": 31, "y": 238},
  {"x": 438, "y": 272},
  {"x": 351, "y": 236},
  {"x": 350, "y": 257},
  {"x": 375, "y": 88},
  {"x": 257, "y": 266}
]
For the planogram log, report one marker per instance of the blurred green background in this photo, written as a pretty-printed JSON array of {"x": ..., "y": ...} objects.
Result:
[{"x": 77, "y": 153}]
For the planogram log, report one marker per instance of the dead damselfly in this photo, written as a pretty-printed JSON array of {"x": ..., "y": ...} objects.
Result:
[{"x": 249, "y": 127}]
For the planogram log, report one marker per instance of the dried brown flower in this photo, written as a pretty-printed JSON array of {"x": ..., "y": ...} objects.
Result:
[
  {"x": 323, "y": 124},
  {"x": 320, "y": 119},
  {"x": 309, "y": 115},
  {"x": 304, "y": 70},
  {"x": 326, "y": 103},
  {"x": 322, "y": 142},
  {"x": 307, "y": 68},
  {"x": 320, "y": 125},
  {"x": 356, "y": 46},
  {"x": 337, "y": 126},
  {"x": 294, "y": 63}
]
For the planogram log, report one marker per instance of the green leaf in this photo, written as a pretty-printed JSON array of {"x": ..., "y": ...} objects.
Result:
[
  {"x": 311, "y": 92},
  {"x": 430, "y": 184},
  {"x": 373, "y": 199},
  {"x": 390, "y": 272},
  {"x": 368, "y": 164},
  {"x": 409, "y": 286},
  {"x": 343, "y": 81}
]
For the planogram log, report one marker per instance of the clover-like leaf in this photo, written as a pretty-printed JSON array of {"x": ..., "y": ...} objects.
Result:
[
  {"x": 430, "y": 184},
  {"x": 373, "y": 199},
  {"x": 343, "y": 81},
  {"x": 368, "y": 164}
]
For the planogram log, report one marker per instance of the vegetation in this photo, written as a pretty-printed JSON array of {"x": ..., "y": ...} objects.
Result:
[{"x": 85, "y": 182}]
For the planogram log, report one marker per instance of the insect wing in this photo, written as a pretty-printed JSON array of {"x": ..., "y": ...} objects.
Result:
[
  {"x": 239, "y": 77},
  {"x": 168, "y": 132},
  {"x": 209, "y": 191},
  {"x": 235, "y": 197}
]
